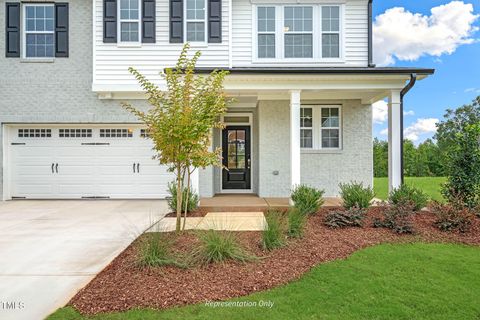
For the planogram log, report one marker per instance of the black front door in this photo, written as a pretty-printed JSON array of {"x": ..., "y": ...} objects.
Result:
[{"x": 236, "y": 157}]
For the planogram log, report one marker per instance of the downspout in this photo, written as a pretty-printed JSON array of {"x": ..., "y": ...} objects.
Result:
[
  {"x": 370, "y": 34},
  {"x": 410, "y": 84}
]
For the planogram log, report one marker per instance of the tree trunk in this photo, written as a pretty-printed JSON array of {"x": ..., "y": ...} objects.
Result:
[
  {"x": 179, "y": 199},
  {"x": 186, "y": 198}
]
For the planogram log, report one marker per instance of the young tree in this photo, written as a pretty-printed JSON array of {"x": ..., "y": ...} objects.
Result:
[
  {"x": 459, "y": 139},
  {"x": 380, "y": 158},
  {"x": 181, "y": 119}
]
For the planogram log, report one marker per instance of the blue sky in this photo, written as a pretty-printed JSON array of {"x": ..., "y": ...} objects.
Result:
[{"x": 457, "y": 77}]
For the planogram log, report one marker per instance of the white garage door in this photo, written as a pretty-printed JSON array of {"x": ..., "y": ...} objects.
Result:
[{"x": 83, "y": 162}]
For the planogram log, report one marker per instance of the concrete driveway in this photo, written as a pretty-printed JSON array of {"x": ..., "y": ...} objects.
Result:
[{"x": 51, "y": 249}]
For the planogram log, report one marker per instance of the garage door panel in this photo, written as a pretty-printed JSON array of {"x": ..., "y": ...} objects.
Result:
[{"x": 92, "y": 166}]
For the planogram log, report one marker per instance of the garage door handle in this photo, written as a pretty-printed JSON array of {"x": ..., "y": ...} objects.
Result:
[
  {"x": 134, "y": 168},
  {"x": 56, "y": 167},
  {"x": 53, "y": 164},
  {"x": 138, "y": 167}
]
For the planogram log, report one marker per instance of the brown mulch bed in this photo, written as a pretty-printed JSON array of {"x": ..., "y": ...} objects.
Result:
[{"x": 122, "y": 285}]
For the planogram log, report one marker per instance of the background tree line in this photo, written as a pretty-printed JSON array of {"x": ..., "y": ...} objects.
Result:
[{"x": 424, "y": 160}]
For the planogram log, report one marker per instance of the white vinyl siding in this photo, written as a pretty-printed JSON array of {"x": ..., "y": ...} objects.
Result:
[
  {"x": 111, "y": 61},
  {"x": 320, "y": 127}
]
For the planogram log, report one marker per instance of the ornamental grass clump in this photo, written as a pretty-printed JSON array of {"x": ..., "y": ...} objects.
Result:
[
  {"x": 156, "y": 251},
  {"x": 353, "y": 217},
  {"x": 219, "y": 246},
  {"x": 189, "y": 198},
  {"x": 356, "y": 195},
  {"x": 409, "y": 194},
  {"x": 296, "y": 223},
  {"x": 273, "y": 236},
  {"x": 306, "y": 199}
]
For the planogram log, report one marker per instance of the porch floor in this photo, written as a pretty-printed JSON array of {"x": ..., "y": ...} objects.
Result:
[{"x": 252, "y": 202}]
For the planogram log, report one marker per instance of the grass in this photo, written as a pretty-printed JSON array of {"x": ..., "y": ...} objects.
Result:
[
  {"x": 390, "y": 281},
  {"x": 429, "y": 185}
]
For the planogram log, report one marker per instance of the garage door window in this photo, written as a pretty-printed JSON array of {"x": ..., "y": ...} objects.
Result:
[
  {"x": 75, "y": 133},
  {"x": 116, "y": 133},
  {"x": 34, "y": 133}
]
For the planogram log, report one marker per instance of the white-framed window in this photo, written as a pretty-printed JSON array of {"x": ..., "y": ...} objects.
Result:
[
  {"x": 39, "y": 30},
  {"x": 330, "y": 32},
  {"x": 320, "y": 127},
  {"x": 195, "y": 22},
  {"x": 129, "y": 22},
  {"x": 298, "y": 32},
  {"x": 266, "y": 32}
]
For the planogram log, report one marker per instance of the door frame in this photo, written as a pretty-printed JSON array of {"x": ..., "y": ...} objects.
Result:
[{"x": 252, "y": 154}]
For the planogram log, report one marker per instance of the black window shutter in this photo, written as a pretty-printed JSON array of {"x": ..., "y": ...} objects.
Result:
[
  {"x": 109, "y": 21},
  {"x": 176, "y": 21},
  {"x": 148, "y": 21},
  {"x": 12, "y": 29},
  {"x": 215, "y": 21},
  {"x": 61, "y": 30}
]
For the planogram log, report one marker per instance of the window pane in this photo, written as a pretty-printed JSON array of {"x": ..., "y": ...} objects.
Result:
[
  {"x": 129, "y": 31},
  {"x": 298, "y": 19},
  {"x": 266, "y": 19},
  {"x": 298, "y": 46},
  {"x": 39, "y": 45},
  {"x": 195, "y": 9},
  {"x": 30, "y": 12},
  {"x": 330, "y": 138},
  {"x": 266, "y": 46},
  {"x": 330, "y": 46},
  {"x": 306, "y": 119},
  {"x": 306, "y": 138},
  {"x": 195, "y": 31},
  {"x": 330, "y": 19}
]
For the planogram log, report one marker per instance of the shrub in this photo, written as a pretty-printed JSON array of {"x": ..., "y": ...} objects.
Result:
[
  {"x": 451, "y": 218},
  {"x": 350, "y": 218},
  {"x": 356, "y": 195},
  {"x": 218, "y": 246},
  {"x": 172, "y": 199},
  {"x": 397, "y": 217},
  {"x": 273, "y": 235},
  {"x": 409, "y": 194},
  {"x": 307, "y": 199},
  {"x": 296, "y": 223},
  {"x": 155, "y": 251}
]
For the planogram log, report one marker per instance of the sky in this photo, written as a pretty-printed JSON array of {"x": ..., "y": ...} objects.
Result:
[{"x": 439, "y": 34}]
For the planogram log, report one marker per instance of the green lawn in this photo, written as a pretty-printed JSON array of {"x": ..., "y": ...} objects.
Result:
[
  {"x": 401, "y": 281},
  {"x": 429, "y": 185}
]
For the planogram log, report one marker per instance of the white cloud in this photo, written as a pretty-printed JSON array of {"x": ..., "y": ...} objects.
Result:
[
  {"x": 380, "y": 111},
  {"x": 403, "y": 35},
  {"x": 409, "y": 113},
  {"x": 476, "y": 90},
  {"x": 384, "y": 132},
  {"x": 420, "y": 127}
]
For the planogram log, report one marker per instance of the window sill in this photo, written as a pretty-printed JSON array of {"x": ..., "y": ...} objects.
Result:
[
  {"x": 297, "y": 61},
  {"x": 320, "y": 151},
  {"x": 37, "y": 60},
  {"x": 129, "y": 45}
]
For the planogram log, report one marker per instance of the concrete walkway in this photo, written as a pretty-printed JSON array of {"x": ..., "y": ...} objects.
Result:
[
  {"x": 231, "y": 221},
  {"x": 51, "y": 249}
]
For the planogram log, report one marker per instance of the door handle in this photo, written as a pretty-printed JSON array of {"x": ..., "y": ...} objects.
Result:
[
  {"x": 134, "y": 168},
  {"x": 53, "y": 164},
  {"x": 248, "y": 164},
  {"x": 138, "y": 167},
  {"x": 56, "y": 167}
]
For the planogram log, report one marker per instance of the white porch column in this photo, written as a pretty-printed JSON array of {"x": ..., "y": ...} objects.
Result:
[
  {"x": 394, "y": 143},
  {"x": 195, "y": 181},
  {"x": 294, "y": 138}
]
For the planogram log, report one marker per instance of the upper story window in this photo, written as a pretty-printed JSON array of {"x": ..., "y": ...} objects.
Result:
[
  {"x": 39, "y": 40},
  {"x": 298, "y": 32},
  {"x": 266, "y": 32},
  {"x": 298, "y": 28},
  {"x": 330, "y": 32},
  {"x": 129, "y": 20},
  {"x": 320, "y": 127},
  {"x": 196, "y": 20}
]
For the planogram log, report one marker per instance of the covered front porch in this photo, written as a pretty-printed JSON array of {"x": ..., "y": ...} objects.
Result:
[{"x": 297, "y": 127}]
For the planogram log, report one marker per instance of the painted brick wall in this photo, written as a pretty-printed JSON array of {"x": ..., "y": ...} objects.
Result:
[{"x": 324, "y": 170}]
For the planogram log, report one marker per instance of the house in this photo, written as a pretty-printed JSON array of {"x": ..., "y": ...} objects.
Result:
[{"x": 301, "y": 73}]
